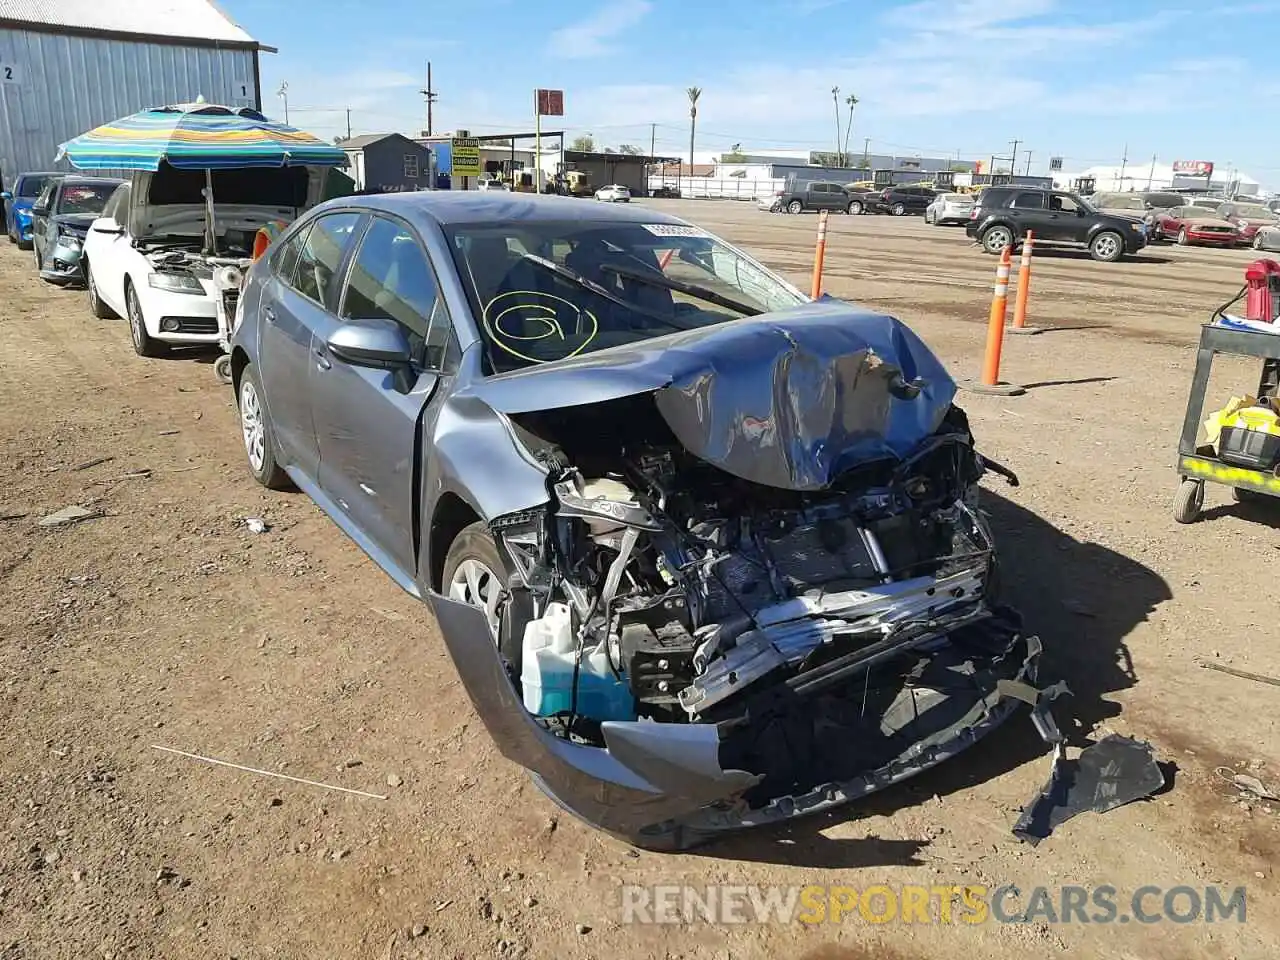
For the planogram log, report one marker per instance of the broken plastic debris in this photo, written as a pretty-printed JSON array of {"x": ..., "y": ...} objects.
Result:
[
  {"x": 69, "y": 515},
  {"x": 1112, "y": 772},
  {"x": 256, "y": 525}
]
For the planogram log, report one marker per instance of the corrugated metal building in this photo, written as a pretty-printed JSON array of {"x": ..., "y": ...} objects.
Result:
[{"x": 67, "y": 66}]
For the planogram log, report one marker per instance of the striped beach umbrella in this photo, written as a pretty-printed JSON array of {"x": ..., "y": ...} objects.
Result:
[{"x": 198, "y": 136}]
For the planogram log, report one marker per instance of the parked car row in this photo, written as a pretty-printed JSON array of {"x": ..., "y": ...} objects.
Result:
[{"x": 814, "y": 195}]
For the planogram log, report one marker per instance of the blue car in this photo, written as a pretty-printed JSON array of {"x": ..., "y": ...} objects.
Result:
[{"x": 18, "y": 200}]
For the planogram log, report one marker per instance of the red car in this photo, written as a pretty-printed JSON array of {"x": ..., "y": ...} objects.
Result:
[
  {"x": 1195, "y": 225},
  {"x": 1248, "y": 218}
]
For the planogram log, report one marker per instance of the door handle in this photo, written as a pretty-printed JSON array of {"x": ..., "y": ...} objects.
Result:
[
  {"x": 269, "y": 315},
  {"x": 322, "y": 359}
]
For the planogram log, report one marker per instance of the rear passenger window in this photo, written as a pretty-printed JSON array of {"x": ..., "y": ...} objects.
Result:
[
  {"x": 321, "y": 255},
  {"x": 285, "y": 258},
  {"x": 1029, "y": 201}
]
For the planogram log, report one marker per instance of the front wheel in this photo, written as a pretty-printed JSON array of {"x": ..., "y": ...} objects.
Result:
[
  {"x": 1183, "y": 239},
  {"x": 795, "y": 206},
  {"x": 855, "y": 208},
  {"x": 995, "y": 239},
  {"x": 259, "y": 441},
  {"x": 1257, "y": 241},
  {"x": 144, "y": 345},
  {"x": 474, "y": 574},
  {"x": 222, "y": 369},
  {"x": 1107, "y": 247},
  {"x": 1189, "y": 501}
]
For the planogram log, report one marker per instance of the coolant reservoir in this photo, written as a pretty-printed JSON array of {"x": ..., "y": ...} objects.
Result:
[{"x": 546, "y": 673}]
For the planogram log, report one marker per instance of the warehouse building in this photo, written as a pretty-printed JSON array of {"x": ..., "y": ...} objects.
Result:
[{"x": 67, "y": 66}]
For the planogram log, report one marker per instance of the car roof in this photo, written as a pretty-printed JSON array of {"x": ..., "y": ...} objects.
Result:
[{"x": 451, "y": 207}]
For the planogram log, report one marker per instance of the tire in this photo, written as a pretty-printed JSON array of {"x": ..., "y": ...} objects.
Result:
[
  {"x": 96, "y": 305},
  {"x": 1189, "y": 500},
  {"x": 1257, "y": 240},
  {"x": 255, "y": 429},
  {"x": 855, "y": 208},
  {"x": 795, "y": 206},
  {"x": 144, "y": 345},
  {"x": 1107, "y": 246},
  {"x": 899, "y": 210},
  {"x": 1251, "y": 497},
  {"x": 928, "y": 218},
  {"x": 474, "y": 545},
  {"x": 1183, "y": 239},
  {"x": 995, "y": 239},
  {"x": 222, "y": 369}
]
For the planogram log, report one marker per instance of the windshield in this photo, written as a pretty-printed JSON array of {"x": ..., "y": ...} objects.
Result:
[
  {"x": 85, "y": 197},
  {"x": 1119, "y": 201},
  {"x": 31, "y": 186},
  {"x": 548, "y": 290},
  {"x": 1253, "y": 211}
]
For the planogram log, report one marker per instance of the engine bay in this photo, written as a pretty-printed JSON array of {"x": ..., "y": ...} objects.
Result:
[{"x": 656, "y": 586}]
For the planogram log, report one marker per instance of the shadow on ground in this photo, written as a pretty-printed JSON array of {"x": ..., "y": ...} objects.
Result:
[{"x": 1083, "y": 600}]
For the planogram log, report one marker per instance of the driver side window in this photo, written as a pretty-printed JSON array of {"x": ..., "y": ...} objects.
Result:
[
  {"x": 391, "y": 279},
  {"x": 1063, "y": 203}
]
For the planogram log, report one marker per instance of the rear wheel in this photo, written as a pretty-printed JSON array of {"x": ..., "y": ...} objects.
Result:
[
  {"x": 899, "y": 209},
  {"x": 855, "y": 208},
  {"x": 1107, "y": 246},
  {"x": 795, "y": 206},
  {"x": 996, "y": 238},
  {"x": 96, "y": 304},
  {"x": 259, "y": 442}
]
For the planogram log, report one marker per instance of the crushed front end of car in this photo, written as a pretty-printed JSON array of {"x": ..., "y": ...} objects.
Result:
[{"x": 761, "y": 587}]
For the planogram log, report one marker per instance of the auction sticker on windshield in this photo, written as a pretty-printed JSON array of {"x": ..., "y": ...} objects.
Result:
[{"x": 675, "y": 230}]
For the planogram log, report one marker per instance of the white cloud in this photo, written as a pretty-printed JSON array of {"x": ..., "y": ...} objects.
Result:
[{"x": 594, "y": 36}]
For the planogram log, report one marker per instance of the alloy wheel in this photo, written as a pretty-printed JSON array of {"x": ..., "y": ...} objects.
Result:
[
  {"x": 474, "y": 584},
  {"x": 251, "y": 425}
]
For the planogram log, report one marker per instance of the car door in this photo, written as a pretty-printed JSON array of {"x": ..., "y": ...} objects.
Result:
[
  {"x": 833, "y": 197},
  {"x": 367, "y": 419},
  {"x": 40, "y": 223},
  {"x": 1029, "y": 211},
  {"x": 923, "y": 197},
  {"x": 106, "y": 250},
  {"x": 304, "y": 286}
]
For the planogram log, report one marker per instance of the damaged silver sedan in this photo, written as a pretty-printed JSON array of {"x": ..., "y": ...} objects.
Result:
[{"x": 706, "y": 554}]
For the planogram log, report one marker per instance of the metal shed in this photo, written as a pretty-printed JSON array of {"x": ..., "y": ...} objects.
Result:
[{"x": 67, "y": 66}]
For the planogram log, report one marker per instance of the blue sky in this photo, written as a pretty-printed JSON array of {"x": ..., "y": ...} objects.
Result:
[{"x": 1178, "y": 79}]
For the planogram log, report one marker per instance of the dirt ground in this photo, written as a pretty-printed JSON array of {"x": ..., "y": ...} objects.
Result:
[{"x": 166, "y": 622}]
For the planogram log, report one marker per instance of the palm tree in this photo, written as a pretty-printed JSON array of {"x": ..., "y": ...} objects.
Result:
[
  {"x": 835, "y": 98},
  {"x": 852, "y": 101},
  {"x": 694, "y": 93}
]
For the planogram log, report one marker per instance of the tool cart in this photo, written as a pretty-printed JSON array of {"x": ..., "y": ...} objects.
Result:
[{"x": 1248, "y": 464}]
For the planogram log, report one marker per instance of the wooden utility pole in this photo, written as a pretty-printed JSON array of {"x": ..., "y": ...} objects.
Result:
[
  {"x": 348, "y": 123},
  {"x": 430, "y": 96}
]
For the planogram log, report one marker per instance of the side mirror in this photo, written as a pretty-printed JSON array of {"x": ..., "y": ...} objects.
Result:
[
  {"x": 40, "y": 210},
  {"x": 6, "y": 195},
  {"x": 107, "y": 225},
  {"x": 377, "y": 345}
]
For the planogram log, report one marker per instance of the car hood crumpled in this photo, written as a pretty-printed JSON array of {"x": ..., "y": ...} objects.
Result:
[{"x": 790, "y": 399}]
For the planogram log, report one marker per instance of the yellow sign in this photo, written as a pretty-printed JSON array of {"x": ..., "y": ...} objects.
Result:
[{"x": 465, "y": 152}]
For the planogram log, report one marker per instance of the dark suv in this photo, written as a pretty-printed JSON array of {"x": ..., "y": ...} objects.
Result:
[
  {"x": 1003, "y": 215},
  {"x": 814, "y": 195},
  {"x": 900, "y": 201}
]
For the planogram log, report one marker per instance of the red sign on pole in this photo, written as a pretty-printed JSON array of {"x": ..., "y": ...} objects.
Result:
[{"x": 549, "y": 103}]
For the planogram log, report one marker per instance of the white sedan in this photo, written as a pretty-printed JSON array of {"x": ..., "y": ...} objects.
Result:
[
  {"x": 614, "y": 193},
  {"x": 145, "y": 259}
]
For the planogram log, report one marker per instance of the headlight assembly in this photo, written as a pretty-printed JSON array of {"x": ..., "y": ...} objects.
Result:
[{"x": 176, "y": 283}]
